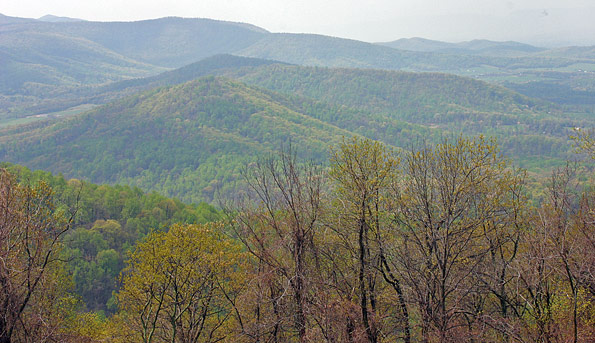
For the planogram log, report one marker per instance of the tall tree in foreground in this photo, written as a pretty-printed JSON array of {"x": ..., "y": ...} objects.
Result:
[
  {"x": 180, "y": 286},
  {"x": 362, "y": 171},
  {"x": 555, "y": 266},
  {"x": 278, "y": 226},
  {"x": 30, "y": 232},
  {"x": 450, "y": 199}
]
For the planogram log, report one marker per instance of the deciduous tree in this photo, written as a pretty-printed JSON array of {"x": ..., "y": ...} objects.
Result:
[
  {"x": 30, "y": 232},
  {"x": 178, "y": 285}
]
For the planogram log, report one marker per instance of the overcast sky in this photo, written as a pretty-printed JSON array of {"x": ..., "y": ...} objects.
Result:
[{"x": 549, "y": 22}]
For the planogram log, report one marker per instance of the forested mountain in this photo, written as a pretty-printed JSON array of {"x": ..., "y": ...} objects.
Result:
[
  {"x": 526, "y": 128},
  {"x": 35, "y": 62},
  {"x": 317, "y": 50},
  {"x": 191, "y": 140},
  {"x": 65, "y": 98},
  {"x": 368, "y": 193},
  {"x": 40, "y": 58},
  {"x": 378, "y": 104},
  {"x": 188, "y": 141},
  {"x": 167, "y": 42},
  {"x": 34, "y": 52},
  {"x": 400, "y": 93}
]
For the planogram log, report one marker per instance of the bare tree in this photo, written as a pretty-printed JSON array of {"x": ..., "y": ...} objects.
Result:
[
  {"x": 278, "y": 226},
  {"x": 450, "y": 198},
  {"x": 30, "y": 232}
]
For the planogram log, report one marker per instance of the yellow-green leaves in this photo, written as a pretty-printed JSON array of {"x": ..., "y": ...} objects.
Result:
[
  {"x": 584, "y": 141},
  {"x": 178, "y": 285}
]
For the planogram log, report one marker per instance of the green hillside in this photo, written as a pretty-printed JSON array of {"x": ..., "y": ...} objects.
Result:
[
  {"x": 42, "y": 64},
  {"x": 398, "y": 108},
  {"x": 531, "y": 131},
  {"x": 34, "y": 61},
  {"x": 188, "y": 141},
  {"x": 401, "y": 94},
  {"x": 60, "y": 99}
]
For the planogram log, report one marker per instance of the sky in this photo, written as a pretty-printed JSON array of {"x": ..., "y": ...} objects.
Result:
[{"x": 543, "y": 22}]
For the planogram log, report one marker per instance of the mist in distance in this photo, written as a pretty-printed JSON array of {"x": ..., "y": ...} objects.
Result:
[{"x": 544, "y": 23}]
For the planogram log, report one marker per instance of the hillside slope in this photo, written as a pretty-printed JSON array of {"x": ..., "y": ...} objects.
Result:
[
  {"x": 188, "y": 141},
  {"x": 34, "y": 62}
]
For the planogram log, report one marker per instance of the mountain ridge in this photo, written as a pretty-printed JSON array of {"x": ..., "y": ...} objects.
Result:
[
  {"x": 202, "y": 131},
  {"x": 172, "y": 42},
  {"x": 473, "y": 47}
]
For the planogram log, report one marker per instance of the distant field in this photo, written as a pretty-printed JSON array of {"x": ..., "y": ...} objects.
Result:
[{"x": 29, "y": 119}]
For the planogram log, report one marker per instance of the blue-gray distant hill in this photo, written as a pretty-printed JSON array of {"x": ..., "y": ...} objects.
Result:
[
  {"x": 474, "y": 47},
  {"x": 55, "y": 19},
  {"x": 166, "y": 42}
]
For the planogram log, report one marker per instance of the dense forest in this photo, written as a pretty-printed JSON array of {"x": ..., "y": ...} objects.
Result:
[
  {"x": 109, "y": 220},
  {"x": 439, "y": 243},
  {"x": 190, "y": 139}
]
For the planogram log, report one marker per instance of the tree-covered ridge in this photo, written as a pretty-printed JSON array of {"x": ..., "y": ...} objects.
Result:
[
  {"x": 473, "y": 47},
  {"x": 63, "y": 98},
  {"x": 37, "y": 60},
  {"x": 191, "y": 140},
  {"x": 148, "y": 41},
  {"x": 433, "y": 99},
  {"x": 109, "y": 221},
  {"x": 376, "y": 90},
  {"x": 188, "y": 141},
  {"x": 402, "y": 94},
  {"x": 526, "y": 127},
  {"x": 42, "y": 60}
]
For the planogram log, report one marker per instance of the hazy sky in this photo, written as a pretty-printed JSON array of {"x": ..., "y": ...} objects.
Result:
[{"x": 553, "y": 21}]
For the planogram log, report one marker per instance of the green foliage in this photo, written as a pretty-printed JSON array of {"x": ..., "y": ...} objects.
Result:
[
  {"x": 178, "y": 285},
  {"x": 109, "y": 222},
  {"x": 441, "y": 245},
  {"x": 188, "y": 141}
]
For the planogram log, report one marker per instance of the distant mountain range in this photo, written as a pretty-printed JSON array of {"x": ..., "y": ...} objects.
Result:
[
  {"x": 55, "y": 54},
  {"x": 54, "y": 19},
  {"x": 474, "y": 47}
]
